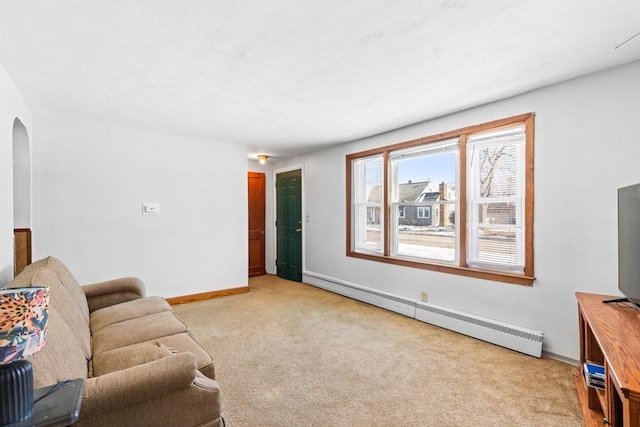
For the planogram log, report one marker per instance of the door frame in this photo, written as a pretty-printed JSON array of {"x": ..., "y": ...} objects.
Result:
[{"x": 276, "y": 172}]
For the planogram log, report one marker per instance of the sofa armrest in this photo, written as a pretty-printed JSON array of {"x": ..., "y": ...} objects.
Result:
[
  {"x": 121, "y": 389},
  {"x": 105, "y": 294}
]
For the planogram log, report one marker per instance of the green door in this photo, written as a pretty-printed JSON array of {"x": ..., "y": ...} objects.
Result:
[{"x": 289, "y": 225}]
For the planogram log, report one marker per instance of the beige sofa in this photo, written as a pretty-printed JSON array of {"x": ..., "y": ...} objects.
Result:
[{"x": 141, "y": 365}]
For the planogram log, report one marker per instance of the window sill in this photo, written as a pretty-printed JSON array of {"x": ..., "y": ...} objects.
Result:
[{"x": 496, "y": 276}]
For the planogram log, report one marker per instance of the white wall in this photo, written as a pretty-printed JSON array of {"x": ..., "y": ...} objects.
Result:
[
  {"x": 587, "y": 144},
  {"x": 90, "y": 181},
  {"x": 12, "y": 106}
]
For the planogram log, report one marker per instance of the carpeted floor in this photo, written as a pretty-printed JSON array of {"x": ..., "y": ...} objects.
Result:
[{"x": 290, "y": 354}]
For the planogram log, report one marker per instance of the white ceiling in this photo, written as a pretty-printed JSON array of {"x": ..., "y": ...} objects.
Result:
[{"x": 290, "y": 77}]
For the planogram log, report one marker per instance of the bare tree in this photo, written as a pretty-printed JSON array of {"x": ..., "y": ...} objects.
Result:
[{"x": 496, "y": 173}]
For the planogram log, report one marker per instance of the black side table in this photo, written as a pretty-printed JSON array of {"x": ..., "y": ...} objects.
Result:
[{"x": 55, "y": 406}]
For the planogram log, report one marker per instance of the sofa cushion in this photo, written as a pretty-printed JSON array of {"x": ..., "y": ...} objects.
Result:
[
  {"x": 125, "y": 357},
  {"x": 71, "y": 284},
  {"x": 24, "y": 278},
  {"x": 126, "y": 311},
  {"x": 61, "y": 357},
  {"x": 137, "y": 330},
  {"x": 185, "y": 342},
  {"x": 60, "y": 298}
]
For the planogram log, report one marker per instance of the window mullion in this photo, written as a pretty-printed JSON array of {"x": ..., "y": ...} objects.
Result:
[
  {"x": 386, "y": 206},
  {"x": 462, "y": 219}
]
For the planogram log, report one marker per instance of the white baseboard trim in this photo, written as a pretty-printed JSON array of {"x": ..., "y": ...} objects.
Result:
[{"x": 559, "y": 358}]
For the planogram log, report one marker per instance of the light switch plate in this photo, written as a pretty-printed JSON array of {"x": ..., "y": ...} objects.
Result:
[{"x": 150, "y": 208}]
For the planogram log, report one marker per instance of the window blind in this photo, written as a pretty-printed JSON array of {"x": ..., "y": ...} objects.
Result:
[{"x": 495, "y": 199}]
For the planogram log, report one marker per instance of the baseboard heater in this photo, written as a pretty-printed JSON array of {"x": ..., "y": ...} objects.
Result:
[
  {"x": 386, "y": 300},
  {"x": 516, "y": 338}
]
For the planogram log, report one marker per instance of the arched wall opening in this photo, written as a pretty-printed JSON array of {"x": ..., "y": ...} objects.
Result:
[
  {"x": 21, "y": 176},
  {"x": 21, "y": 196}
]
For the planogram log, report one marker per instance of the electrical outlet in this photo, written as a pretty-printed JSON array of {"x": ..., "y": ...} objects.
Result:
[{"x": 424, "y": 296}]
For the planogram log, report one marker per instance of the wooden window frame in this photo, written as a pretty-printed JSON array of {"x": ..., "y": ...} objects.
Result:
[{"x": 527, "y": 278}]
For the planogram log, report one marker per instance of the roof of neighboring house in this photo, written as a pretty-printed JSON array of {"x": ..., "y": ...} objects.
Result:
[
  {"x": 409, "y": 192},
  {"x": 429, "y": 196}
]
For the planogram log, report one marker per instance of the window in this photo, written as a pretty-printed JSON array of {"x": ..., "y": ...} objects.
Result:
[
  {"x": 368, "y": 206},
  {"x": 458, "y": 202},
  {"x": 495, "y": 190},
  {"x": 424, "y": 212}
]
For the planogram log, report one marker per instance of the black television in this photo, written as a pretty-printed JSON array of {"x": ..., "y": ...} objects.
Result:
[{"x": 629, "y": 243}]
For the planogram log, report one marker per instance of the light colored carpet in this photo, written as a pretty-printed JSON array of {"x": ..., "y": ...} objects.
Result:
[{"x": 290, "y": 354}]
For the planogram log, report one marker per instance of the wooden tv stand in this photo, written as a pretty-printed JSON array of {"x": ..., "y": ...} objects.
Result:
[{"x": 609, "y": 336}]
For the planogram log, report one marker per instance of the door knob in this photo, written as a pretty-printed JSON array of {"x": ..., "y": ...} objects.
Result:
[{"x": 298, "y": 230}]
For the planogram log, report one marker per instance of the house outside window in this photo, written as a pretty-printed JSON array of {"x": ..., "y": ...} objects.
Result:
[{"x": 458, "y": 202}]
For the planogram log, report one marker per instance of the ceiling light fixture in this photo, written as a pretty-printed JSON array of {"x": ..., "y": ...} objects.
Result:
[{"x": 262, "y": 158}]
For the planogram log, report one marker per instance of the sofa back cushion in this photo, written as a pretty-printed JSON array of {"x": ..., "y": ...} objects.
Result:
[
  {"x": 66, "y": 298},
  {"x": 23, "y": 279},
  {"x": 62, "y": 358},
  {"x": 71, "y": 285}
]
